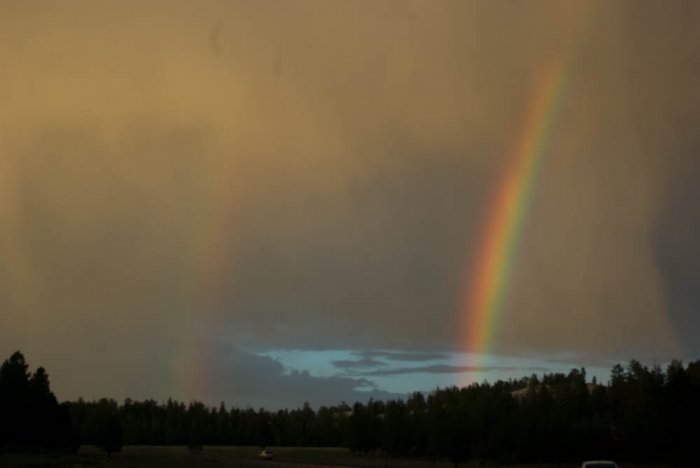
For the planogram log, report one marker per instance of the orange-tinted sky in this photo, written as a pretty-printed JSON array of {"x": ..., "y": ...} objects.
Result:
[{"x": 178, "y": 178}]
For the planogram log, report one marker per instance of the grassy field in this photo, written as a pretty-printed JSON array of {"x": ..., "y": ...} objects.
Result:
[{"x": 239, "y": 457}]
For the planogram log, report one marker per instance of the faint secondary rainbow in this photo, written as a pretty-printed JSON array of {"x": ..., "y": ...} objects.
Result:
[
  {"x": 212, "y": 211},
  {"x": 508, "y": 208}
]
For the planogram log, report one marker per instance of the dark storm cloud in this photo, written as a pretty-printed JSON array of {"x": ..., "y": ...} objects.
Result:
[
  {"x": 315, "y": 176},
  {"x": 236, "y": 376},
  {"x": 211, "y": 373},
  {"x": 377, "y": 254},
  {"x": 587, "y": 267},
  {"x": 677, "y": 249}
]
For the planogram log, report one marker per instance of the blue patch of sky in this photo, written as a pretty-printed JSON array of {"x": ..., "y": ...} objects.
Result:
[{"x": 393, "y": 372}]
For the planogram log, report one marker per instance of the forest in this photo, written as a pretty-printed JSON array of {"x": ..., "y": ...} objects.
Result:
[{"x": 641, "y": 414}]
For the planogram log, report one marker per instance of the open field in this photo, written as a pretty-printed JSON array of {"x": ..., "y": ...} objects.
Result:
[{"x": 239, "y": 457}]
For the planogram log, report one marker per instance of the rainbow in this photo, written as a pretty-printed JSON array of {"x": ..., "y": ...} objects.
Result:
[
  {"x": 207, "y": 259},
  {"x": 507, "y": 210},
  {"x": 506, "y": 213}
]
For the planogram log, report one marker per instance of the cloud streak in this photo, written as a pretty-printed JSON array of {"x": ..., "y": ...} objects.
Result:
[{"x": 442, "y": 369}]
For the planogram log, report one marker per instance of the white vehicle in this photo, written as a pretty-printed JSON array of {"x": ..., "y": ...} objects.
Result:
[
  {"x": 599, "y": 464},
  {"x": 265, "y": 455}
]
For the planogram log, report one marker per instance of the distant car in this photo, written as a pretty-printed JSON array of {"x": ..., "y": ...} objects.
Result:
[
  {"x": 265, "y": 455},
  {"x": 599, "y": 464}
]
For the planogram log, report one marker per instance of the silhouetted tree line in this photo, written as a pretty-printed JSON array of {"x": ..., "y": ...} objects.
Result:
[
  {"x": 643, "y": 414},
  {"x": 30, "y": 417}
]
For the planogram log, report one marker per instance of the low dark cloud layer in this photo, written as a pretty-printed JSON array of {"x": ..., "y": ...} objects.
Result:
[
  {"x": 402, "y": 355},
  {"x": 225, "y": 373},
  {"x": 363, "y": 363},
  {"x": 441, "y": 369}
]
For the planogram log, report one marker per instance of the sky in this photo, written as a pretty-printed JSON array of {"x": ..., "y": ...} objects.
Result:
[{"x": 270, "y": 202}]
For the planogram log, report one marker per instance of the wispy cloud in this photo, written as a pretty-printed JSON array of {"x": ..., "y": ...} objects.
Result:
[
  {"x": 436, "y": 369},
  {"x": 398, "y": 355},
  {"x": 359, "y": 364}
]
